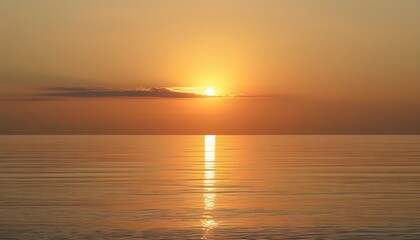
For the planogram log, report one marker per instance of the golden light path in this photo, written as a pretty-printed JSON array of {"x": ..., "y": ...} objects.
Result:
[{"x": 209, "y": 184}]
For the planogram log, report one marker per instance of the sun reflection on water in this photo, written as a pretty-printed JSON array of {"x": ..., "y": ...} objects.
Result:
[{"x": 209, "y": 185}]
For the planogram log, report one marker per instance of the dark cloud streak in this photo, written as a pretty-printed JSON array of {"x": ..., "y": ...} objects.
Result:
[{"x": 104, "y": 92}]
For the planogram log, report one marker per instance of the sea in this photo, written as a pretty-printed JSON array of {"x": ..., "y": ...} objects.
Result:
[{"x": 210, "y": 187}]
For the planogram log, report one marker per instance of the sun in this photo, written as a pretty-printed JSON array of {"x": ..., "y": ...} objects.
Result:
[{"x": 210, "y": 92}]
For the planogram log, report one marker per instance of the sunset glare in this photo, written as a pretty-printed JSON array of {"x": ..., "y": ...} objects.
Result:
[
  {"x": 209, "y": 119},
  {"x": 210, "y": 92}
]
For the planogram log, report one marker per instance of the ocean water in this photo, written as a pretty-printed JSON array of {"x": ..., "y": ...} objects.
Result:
[{"x": 209, "y": 187}]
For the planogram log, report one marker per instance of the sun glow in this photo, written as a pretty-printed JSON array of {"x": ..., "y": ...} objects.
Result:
[{"x": 210, "y": 92}]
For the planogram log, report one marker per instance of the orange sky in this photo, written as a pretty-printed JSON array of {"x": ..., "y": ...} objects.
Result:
[{"x": 300, "y": 66}]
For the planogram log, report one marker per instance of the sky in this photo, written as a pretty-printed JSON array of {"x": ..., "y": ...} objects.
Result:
[{"x": 277, "y": 67}]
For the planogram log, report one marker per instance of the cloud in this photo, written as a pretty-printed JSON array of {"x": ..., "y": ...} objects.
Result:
[{"x": 154, "y": 92}]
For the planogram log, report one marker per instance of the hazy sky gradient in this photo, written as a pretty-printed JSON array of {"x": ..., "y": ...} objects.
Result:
[{"x": 322, "y": 66}]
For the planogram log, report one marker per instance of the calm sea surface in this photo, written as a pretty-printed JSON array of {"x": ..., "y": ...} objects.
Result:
[{"x": 209, "y": 187}]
